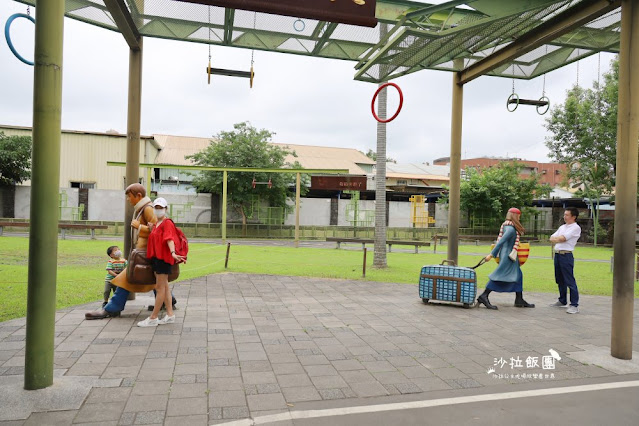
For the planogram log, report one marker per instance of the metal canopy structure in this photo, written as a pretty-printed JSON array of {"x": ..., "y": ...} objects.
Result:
[{"x": 422, "y": 36}]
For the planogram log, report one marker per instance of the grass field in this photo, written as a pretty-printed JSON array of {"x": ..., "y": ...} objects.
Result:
[{"x": 80, "y": 277}]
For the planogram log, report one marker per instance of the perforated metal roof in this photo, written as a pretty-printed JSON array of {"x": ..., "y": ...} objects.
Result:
[{"x": 417, "y": 35}]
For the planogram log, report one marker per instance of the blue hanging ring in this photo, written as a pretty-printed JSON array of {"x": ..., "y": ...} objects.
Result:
[{"x": 7, "y": 34}]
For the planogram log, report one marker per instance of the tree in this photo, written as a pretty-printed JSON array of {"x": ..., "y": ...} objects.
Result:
[
  {"x": 373, "y": 156},
  {"x": 246, "y": 146},
  {"x": 489, "y": 193},
  {"x": 15, "y": 168},
  {"x": 584, "y": 131}
]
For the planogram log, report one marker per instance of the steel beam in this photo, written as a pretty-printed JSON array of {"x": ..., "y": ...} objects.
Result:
[
  {"x": 123, "y": 19},
  {"x": 45, "y": 185},
  {"x": 561, "y": 24},
  {"x": 235, "y": 169}
]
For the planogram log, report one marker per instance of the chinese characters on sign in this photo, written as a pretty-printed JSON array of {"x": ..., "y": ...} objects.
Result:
[{"x": 530, "y": 362}]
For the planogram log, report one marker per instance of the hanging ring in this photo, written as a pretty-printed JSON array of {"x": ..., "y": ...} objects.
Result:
[
  {"x": 542, "y": 109},
  {"x": 299, "y": 27},
  {"x": 399, "y": 108},
  {"x": 7, "y": 35},
  {"x": 512, "y": 100}
]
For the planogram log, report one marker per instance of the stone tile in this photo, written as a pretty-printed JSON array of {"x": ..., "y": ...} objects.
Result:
[
  {"x": 151, "y": 388},
  {"x": 449, "y": 373},
  {"x": 51, "y": 418},
  {"x": 256, "y": 378},
  {"x": 302, "y": 393},
  {"x": 224, "y": 371},
  {"x": 187, "y": 406},
  {"x": 328, "y": 382},
  {"x": 358, "y": 376},
  {"x": 146, "y": 403},
  {"x": 186, "y": 369},
  {"x": 225, "y": 384},
  {"x": 347, "y": 364},
  {"x": 188, "y": 390},
  {"x": 331, "y": 394},
  {"x": 367, "y": 389},
  {"x": 149, "y": 417},
  {"x": 288, "y": 368},
  {"x": 235, "y": 412},
  {"x": 100, "y": 412},
  {"x": 231, "y": 398},
  {"x": 87, "y": 369},
  {"x": 271, "y": 401},
  {"x": 196, "y": 420},
  {"x": 293, "y": 380},
  {"x": 98, "y": 395},
  {"x": 320, "y": 370}
]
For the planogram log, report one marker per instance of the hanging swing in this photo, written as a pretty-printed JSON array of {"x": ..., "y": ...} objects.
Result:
[
  {"x": 542, "y": 105},
  {"x": 230, "y": 73},
  {"x": 254, "y": 183},
  {"x": 7, "y": 34}
]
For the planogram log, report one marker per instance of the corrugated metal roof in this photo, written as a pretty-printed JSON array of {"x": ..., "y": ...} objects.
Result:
[
  {"x": 417, "y": 171},
  {"x": 174, "y": 149}
]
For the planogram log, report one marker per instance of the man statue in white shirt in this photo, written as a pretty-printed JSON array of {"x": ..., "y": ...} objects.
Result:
[{"x": 565, "y": 240}]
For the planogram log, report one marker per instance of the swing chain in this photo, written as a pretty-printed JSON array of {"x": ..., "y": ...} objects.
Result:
[
  {"x": 28, "y": 10},
  {"x": 209, "y": 32},
  {"x": 253, "y": 50}
]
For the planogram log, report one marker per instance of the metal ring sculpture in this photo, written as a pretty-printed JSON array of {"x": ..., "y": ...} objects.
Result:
[
  {"x": 299, "y": 28},
  {"x": 7, "y": 35},
  {"x": 512, "y": 97},
  {"x": 399, "y": 108},
  {"x": 544, "y": 108}
]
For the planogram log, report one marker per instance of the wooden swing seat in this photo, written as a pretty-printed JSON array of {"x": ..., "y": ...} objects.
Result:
[
  {"x": 535, "y": 102},
  {"x": 230, "y": 73}
]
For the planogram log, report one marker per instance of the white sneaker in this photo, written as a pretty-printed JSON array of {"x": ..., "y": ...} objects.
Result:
[
  {"x": 572, "y": 310},
  {"x": 168, "y": 319},
  {"x": 149, "y": 322}
]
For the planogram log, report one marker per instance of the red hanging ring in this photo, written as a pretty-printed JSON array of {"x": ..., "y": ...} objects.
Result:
[
  {"x": 253, "y": 183},
  {"x": 401, "y": 102},
  {"x": 270, "y": 184}
]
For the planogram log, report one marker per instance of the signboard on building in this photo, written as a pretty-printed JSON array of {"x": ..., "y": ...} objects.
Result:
[
  {"x": 353, "y": 12},
  {"x": 339, "y": 183}
]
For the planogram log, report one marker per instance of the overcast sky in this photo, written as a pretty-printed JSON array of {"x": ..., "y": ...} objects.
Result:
[{"x": 309, "y": 101}]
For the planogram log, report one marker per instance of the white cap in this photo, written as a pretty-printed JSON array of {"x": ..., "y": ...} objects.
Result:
[{"x": 160, "y": 202}]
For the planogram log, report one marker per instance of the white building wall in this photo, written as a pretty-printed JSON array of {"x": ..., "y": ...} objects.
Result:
[{"x": 313, "y": 212}]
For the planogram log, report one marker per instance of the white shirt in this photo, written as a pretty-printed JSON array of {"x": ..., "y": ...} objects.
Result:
[{"x": 571, "y": 233}]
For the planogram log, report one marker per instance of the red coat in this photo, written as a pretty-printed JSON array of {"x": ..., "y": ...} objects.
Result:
[{"x": 162, "y": 232}]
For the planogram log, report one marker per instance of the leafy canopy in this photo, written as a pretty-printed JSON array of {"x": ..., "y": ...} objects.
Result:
[
  {"x": 584, "y": 132},
  {"x": 245, "y": 146},
  {"x": 15, "y": 159},
  {"x": 489, "y": 193}
]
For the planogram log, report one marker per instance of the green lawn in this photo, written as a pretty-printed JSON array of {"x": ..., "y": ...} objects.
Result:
[{"x": 80, "y": 277}]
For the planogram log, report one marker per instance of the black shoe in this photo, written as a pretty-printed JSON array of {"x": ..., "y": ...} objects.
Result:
[
  {"x": 101, "y": 314},
  {"x": 484, "y": 301},
  {"x": 523, "y": 304},
  {"x": 104, "y": 304}
]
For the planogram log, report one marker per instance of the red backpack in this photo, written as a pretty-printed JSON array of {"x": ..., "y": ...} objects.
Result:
[{"x": 182, "y": 244}]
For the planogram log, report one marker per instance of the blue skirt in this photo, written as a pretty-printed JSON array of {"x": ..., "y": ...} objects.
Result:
[{"x": 506, "y": 287}]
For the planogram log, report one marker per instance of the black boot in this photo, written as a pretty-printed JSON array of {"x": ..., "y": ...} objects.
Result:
[
  {"x": 520, "y": 302},
  {"x": 483, "y": 299}
]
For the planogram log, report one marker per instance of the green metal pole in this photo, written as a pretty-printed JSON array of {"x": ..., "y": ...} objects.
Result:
[
  {"x": 626, "y": 184},
  {"x": 298, "y": 178},
  {"x": 455, "y": 165},
  {"x": 224, "y": 190},
  {"x": 45, "y": 185}
]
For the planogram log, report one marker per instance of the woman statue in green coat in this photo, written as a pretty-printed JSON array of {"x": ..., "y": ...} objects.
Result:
[{"x": 507, "y": 278}]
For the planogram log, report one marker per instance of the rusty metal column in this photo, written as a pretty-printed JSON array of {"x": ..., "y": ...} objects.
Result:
[
  {"x": 626, "y": 185},
  {"x": 45, "y": 186},
  {"x": 455, "y": 164}
]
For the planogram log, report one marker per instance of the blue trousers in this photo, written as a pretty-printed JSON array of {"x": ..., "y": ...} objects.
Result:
[
  {"x": 118, "y": 301},
  {"x": 565, "y": 279}
]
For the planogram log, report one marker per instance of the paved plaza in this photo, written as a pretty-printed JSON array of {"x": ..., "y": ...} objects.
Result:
[{"x": 249, "y": 346}]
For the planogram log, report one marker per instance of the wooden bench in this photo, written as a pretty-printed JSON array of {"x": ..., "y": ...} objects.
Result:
[
  {"x": 390, "y": 243},
  {"x": 63, "y": 227}
]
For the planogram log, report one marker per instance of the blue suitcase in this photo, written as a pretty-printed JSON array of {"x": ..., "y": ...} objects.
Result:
[{"x": 448, "y": 283}]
